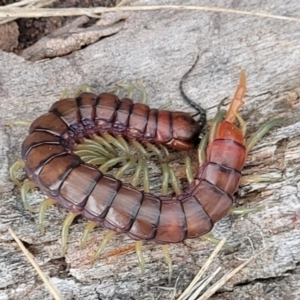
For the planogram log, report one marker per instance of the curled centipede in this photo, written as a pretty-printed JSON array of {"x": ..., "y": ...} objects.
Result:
[{"x": 104, "y": 200}]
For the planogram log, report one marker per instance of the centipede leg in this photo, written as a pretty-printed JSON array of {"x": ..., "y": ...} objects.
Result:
[
  {"x": 165, "y": 179},
  {"x": 242, "y": 123},
  {"x": 128, "y": 88},
  {"x": 144, "y": 98},
  {"x": 20, "y": 123},
  {"x": 202, "y": 150},
  {"x": 145, "y": 176},
  {"x": 43, "y": 207},
  {"x": 13, "y": 170},
  {"x": 115, "y": 90},
  {"x": 124, "y": 168},
  {"x": 91, "y": 157},
  {"x": 210, "y": 238},
  {"x": 264, "y": 129},
  {"x": 110, "y": 139},
  {"x": 83, "y": 88},
  {"x": 165, "y": 105},
  {"x": 104, "y": 242},
  {"x": 168, "y": 175},
  {"x": 89, "y": 227},
  {"x": 95, "y": 146},
  {"x": 124, "y": 143},
  {"x": 64, "y": 94},
  {"x": 96, "y": 161},
  {"x": 139, "y": 253},
  {"x": 65, "y": 231},
  {"x": 166, "y": 252},
  {"x": 188, "y": 169},
  {"x": 214, "y": 125},
  {"x": 26, "y": 187},
  {"x": 107, "y": 145},
  {"x": 257, "y": 178},
  {"x": 110, "y": 163},
  {"x": 173, "y": 181},
  {"x": 243, "y": 210},
  {"x": 135, "y": 177},
  {"x": 164, "y": 166}
]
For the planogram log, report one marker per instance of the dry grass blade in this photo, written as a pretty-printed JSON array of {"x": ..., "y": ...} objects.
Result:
[
  {"x": 29, "y": 256},
  {"x": 196, "y": 286},
  {"x": 52, "y": 12},
  {"x": 227, "y": 276},
  {"x": 25, "y": 4},
  {"x": 190, "y": 288}
]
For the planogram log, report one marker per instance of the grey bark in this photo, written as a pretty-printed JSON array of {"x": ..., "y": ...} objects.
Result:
[{"x": 158, "y": 47}]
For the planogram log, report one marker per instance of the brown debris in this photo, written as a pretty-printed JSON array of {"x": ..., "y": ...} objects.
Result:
[
  {"x": 9, "y": 34},
  {"x": 69, "y": 38}
]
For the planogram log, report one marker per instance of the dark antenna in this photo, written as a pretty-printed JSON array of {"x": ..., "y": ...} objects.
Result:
[{"x": 200, "y": 111}]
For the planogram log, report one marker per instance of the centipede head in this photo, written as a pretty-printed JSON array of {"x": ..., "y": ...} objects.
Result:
[{"x": 184, "y": 139}]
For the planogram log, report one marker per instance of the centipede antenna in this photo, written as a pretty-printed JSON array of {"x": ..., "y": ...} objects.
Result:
[{"x": 200, "y": 111}]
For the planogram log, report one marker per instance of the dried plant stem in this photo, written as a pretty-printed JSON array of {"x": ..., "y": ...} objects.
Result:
[
  {"x": 227, "y": 276},
  {"x": 203, "y": 269},
  {"x": 34, "y": 12},
  {"x": 29, "y": 256},
  {"x": 25, "y": 4}
]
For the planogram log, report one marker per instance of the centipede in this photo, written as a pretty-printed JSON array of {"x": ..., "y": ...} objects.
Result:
[{"x": 52, "y": 165}]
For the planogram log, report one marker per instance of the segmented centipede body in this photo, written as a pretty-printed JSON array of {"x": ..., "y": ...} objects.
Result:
[
  {"x": 83, "y": 189},
  {"x": 88, "y": 114}
]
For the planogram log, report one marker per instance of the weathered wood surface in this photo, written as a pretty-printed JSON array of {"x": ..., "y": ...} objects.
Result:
[{"x": 158, "y": 47}]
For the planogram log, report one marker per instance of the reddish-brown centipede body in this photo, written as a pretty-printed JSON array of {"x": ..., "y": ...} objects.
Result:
[{"x": 83, "y": 189}]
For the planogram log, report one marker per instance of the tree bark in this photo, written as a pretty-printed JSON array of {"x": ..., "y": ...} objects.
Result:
[{"x": 158, "y": 47}]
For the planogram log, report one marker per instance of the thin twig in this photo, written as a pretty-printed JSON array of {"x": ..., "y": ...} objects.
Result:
[
  {"x": 54, "y": 12},
  {"x": 29, "y": 256}
]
